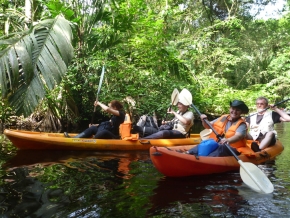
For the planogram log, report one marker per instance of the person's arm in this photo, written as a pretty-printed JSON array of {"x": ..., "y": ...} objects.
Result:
[
  {"x": 204, "y": 124},
  {"x": 248, "y": 125},
  {"x": 248, "y": 121},
  {"x": 181, "y": 118},
  {"x": 107, "y": 109},
  {"x": 284, "y": 116},
  {"x": 240, "y": 134}
]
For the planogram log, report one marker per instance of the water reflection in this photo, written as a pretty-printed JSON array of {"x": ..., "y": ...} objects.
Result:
[
  {"x": 215, "y": 194},
  {"x": 126, "y": 184},
  {"x": 25, "y": 195},
  {"x": 72, "y": 184},
  {"x": 30, "y": 158}
]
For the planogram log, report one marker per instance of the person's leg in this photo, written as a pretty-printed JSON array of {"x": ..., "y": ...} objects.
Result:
[
  {"x": 268, "y": 140},
  {"x": 193, "y": 151},
  {"x": 88, "y": 132},
  {"x": 105, "y": 134},
  {"x": 165, "y": 134},
  {"x": 254, "y": 144},
  {"x": 249, "y": 137},
  {"x": 223, "y": 151},
  {"x": 157, "y": 135}
]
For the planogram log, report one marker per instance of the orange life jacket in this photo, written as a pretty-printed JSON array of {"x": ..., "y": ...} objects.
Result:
[
  {"x": 125, "y": 129},
  {"x": 220, "y": 126}
]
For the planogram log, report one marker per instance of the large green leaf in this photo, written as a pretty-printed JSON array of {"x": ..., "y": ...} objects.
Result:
[{"x": 38, "y": 59}]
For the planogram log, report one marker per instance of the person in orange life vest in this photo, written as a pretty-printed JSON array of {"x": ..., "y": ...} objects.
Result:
[
  {"x": 182, "y": 122},
  {"x": 261, "y": 125},
  {"x": 111, "y": 128},
  {"x": 232, "y": 127}
]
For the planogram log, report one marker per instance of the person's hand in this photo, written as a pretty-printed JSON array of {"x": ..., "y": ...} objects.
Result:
[
  {"x": 203, "y": 116},
  {"x": 96, "y": 103},
  {"x": 163, "y": 122},
  {"x": 170, "y": 111},
  {"x": 272, "y": 107},
  {"x": 93, "y": 125},
  {"x": 223, "y": 141}
]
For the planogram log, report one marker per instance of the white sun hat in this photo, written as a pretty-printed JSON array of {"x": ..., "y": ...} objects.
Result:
[{"x": 204, "y": 134}]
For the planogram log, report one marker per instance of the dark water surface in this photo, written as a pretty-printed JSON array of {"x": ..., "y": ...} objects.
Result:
[{"x": 126, "y": 184}]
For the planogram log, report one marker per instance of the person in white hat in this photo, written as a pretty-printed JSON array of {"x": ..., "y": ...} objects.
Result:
[{"x": 180, "y": 125}]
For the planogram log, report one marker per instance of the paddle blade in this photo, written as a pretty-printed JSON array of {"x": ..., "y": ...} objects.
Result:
[
  {"x": 253, "y": 177},
  {"x": 186, "y": 96},
  {"x": 101, "y": 81},
  {"x": 174, "y": 97}
]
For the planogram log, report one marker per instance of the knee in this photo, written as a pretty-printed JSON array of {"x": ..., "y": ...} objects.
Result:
[
  {"x": 93, "y": 127},
  {"x": 164, "y": 134},
  {"x": 271, "y": 134},
  {"x": 248, "y": 136}
]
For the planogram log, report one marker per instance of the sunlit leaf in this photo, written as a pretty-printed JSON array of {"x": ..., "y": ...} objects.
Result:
[{"x": 36, "y": 60}]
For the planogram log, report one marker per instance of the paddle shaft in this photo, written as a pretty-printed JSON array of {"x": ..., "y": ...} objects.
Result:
[
  {"x": 99, "y": 89},
  {"x": 269, "y": 107},
  {"x": 167, "y": 113},
  {"x": 172, "y": 101}
]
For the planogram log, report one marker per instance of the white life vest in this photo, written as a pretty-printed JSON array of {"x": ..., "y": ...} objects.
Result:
[
  {"x": 266, "y": 125},
  {"x": 179, "y": 126}
]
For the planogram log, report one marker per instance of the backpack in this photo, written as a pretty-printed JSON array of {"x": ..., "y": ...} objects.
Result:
[
  {"x": 146, "y": 125},
  {"x": 147, "y": 121}
]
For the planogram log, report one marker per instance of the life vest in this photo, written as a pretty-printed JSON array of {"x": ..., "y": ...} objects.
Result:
[
  {"x": 179, "y": 126},
  {"x": 220, "y": 126},
  {"x": 125, "y": 129},
  {"x": 266, "y": 125}
]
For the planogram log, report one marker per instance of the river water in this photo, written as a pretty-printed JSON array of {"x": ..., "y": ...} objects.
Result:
[{"x": 126, "y": 184}]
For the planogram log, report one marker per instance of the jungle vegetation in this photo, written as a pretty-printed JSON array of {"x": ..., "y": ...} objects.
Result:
[{"x": 52, "y": 53}]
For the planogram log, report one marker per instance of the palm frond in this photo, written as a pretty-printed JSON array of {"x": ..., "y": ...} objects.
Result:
[{"x": 36, "y": 60}]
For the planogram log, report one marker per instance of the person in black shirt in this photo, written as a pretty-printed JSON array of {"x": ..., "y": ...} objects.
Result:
[
  {"x": 261, "y": 124},
  {"x": 108, "y": 129}
]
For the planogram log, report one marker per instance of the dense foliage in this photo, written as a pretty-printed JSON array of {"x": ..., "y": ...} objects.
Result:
[{"x": 216, "y": 49}]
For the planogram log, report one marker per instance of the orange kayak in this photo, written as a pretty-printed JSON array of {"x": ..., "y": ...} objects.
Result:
[
  {"x": 56, "y": 141},
  {"x": 173, "y": 162}
]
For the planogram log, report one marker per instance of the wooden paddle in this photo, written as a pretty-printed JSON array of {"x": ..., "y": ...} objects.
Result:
[
  {"x": 269, "y": 107},
  {"x": 174, "y": 100},
  {"x": 251, "y": 175},
  {"x": 99, "y": 89}
]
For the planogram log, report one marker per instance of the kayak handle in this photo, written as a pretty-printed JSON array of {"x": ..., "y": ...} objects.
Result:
[
  {"x": 156, "y": 153},
  {"x": 143, "y": 142}
]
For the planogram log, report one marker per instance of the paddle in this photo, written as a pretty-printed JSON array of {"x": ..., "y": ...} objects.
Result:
[
  {"x": 174, "y": 100},
  {"x": 269, "y": 107},
  {"x": 251, "y": 175},
  {"x": 99, "y": 89}
]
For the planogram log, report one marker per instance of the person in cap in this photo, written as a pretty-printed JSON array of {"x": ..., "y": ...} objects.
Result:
[
  {"x": 231, "y": 127},
  {"x": 180, "y": 125},
  {"x": 261, "y": 124}
]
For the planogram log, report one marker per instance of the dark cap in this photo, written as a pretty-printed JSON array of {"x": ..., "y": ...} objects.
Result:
[{"x": 241, "y": 105}]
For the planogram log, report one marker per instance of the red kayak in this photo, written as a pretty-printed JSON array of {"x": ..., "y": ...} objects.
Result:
[{"x": 173, "y": 162}]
